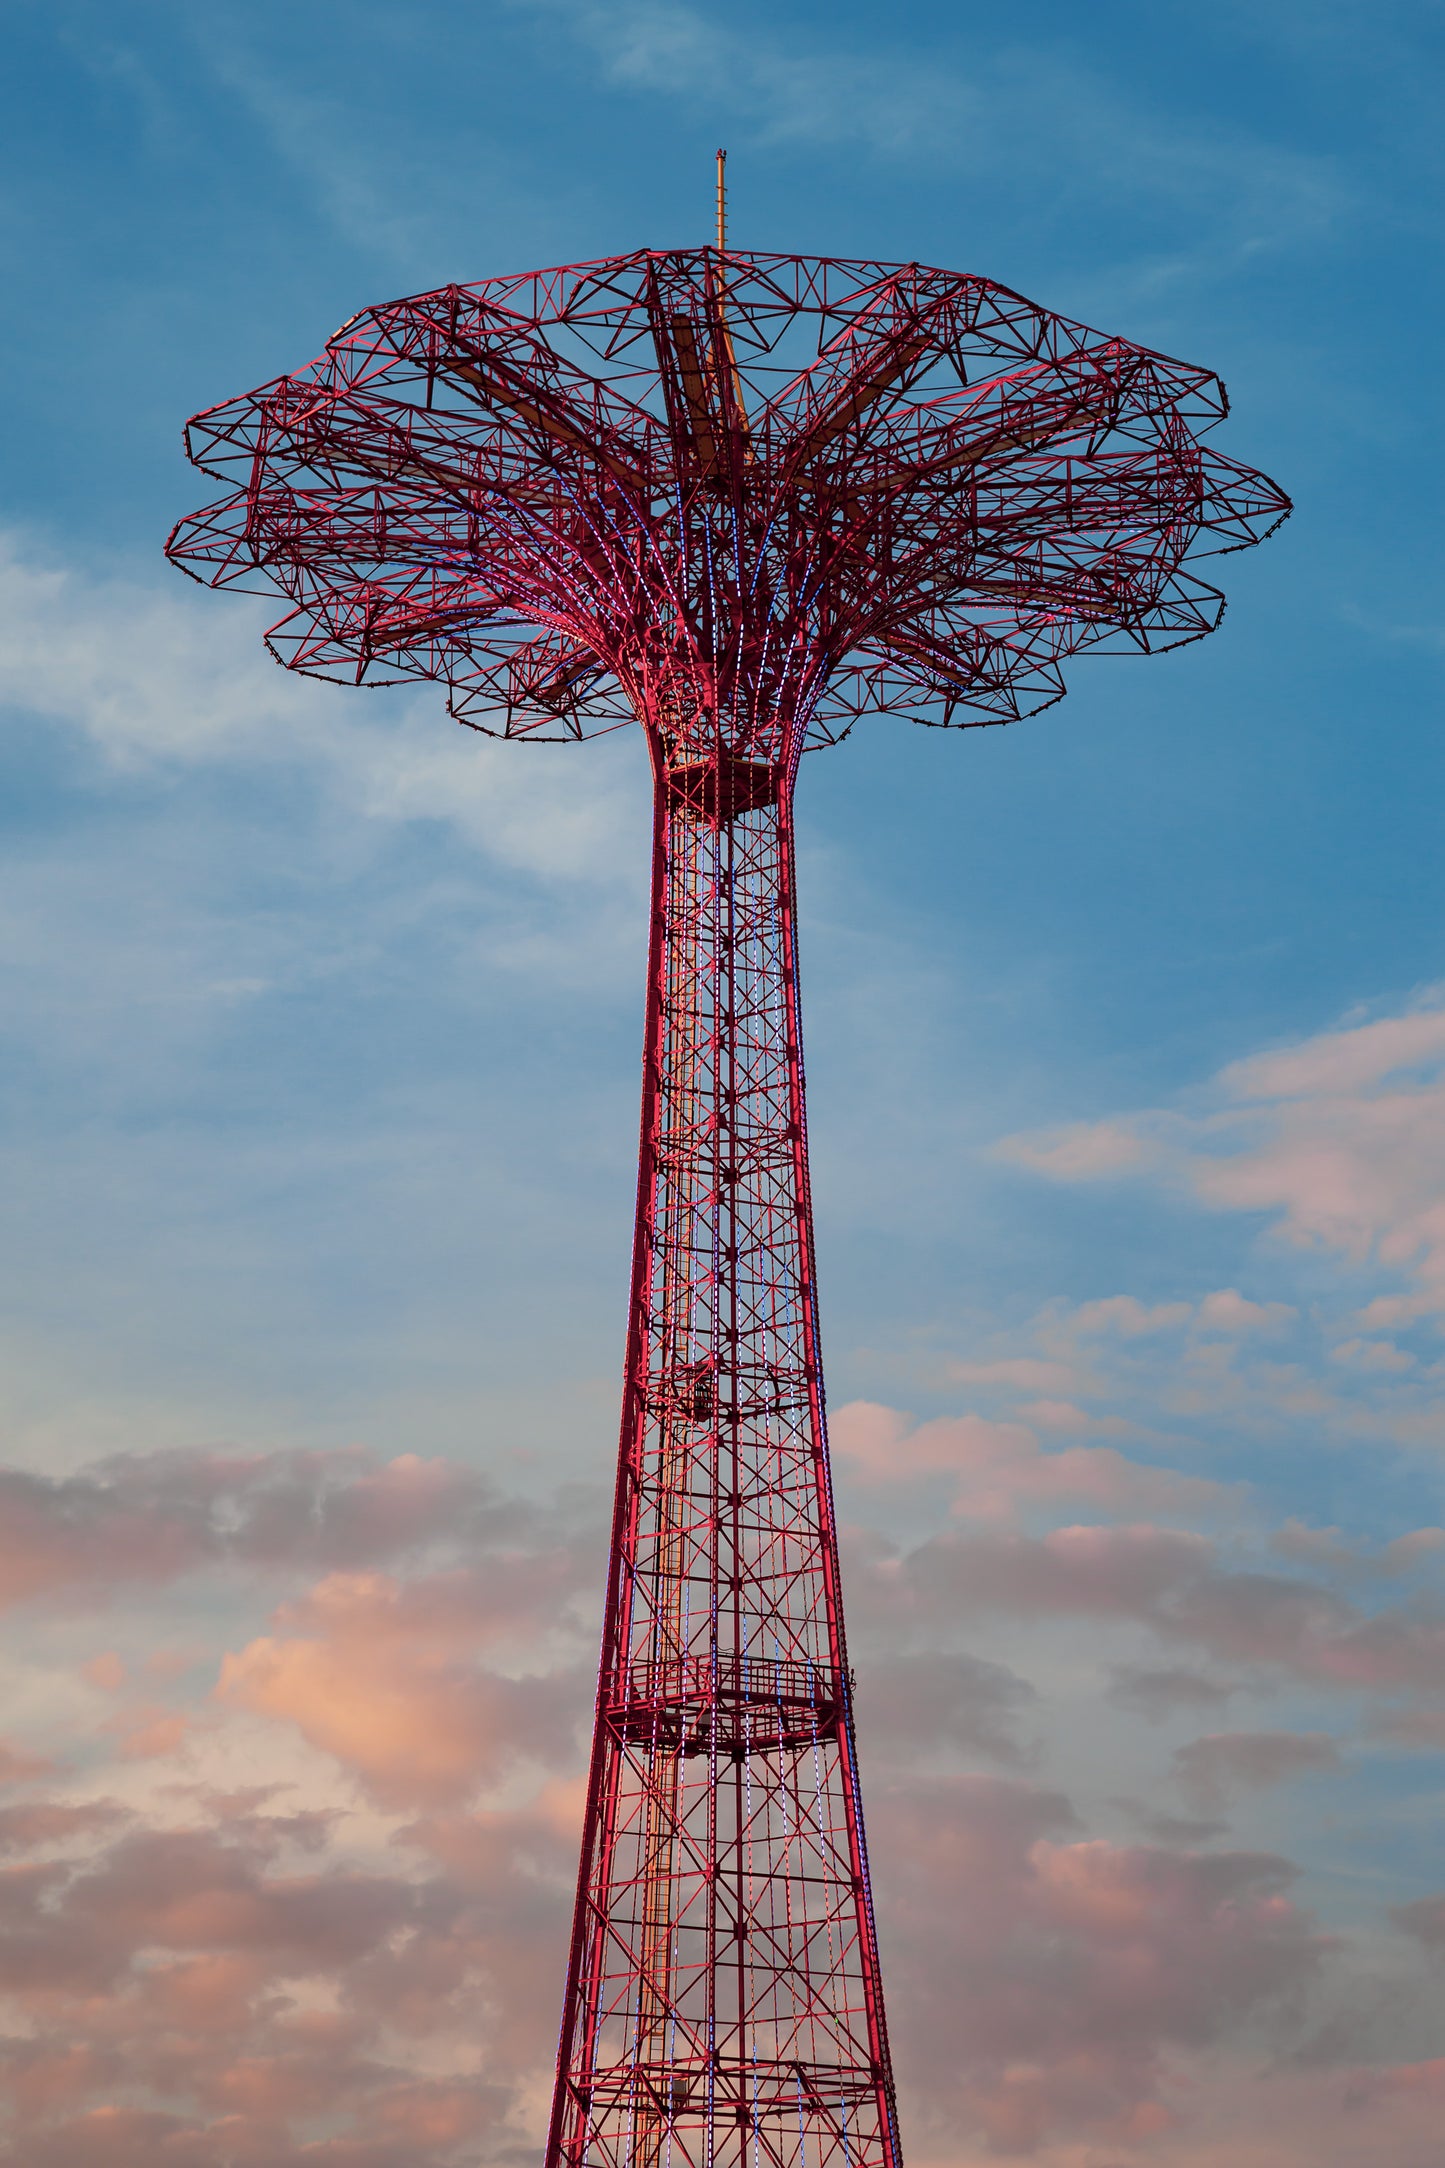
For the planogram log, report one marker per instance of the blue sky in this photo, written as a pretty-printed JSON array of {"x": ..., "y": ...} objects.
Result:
[{"x": 320, "y": 1052}]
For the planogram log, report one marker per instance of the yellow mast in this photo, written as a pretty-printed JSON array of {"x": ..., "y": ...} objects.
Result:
[{"x": 727, "y": 359}]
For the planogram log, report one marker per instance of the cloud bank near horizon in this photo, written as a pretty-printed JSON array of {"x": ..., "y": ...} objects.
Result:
[{"x": 292, "y": 1793}]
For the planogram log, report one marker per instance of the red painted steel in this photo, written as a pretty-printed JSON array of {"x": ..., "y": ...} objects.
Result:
[{"x": 743, "y": 499}]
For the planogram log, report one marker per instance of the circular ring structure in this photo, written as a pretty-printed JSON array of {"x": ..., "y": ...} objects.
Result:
[{"x": 743, "y": 498}]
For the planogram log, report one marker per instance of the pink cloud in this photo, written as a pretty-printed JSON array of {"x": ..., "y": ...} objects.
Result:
[
  {"x": 436, "y": 2115},
  {"x": 1138, "y": 1572},
  {"x": 1210, "y": 1770},
  {"x": 1425, "y": 1919},
  {"x": 1341, "y": 1061},
  {"x": 195, "y": 1890},
  {"x": 998, "y": 1468},
  {"x": 1127, "y": 1317},
  {"x": 150, "y": 1518},
  {"x": 1362, "y": 1176},
  {"x": 1160, "y": 1691},
  {"x": 37, "y": 1825},
  {"x": 1226, "y": 1310},
  {"x": 1314, "y": 1546},
  {"x": 1412, "y": 1549},
  {"x": 1048, "y": 1979},
  {"x": 919, "y": 1705},
  {"x": 151, "y": 1734},
  {"x": 383, "y": 1675},
  {"x": 1341, "y": 1139},
  {"x": 1026, "y": 1373},
  {"x": 92, "y": 1942},
  {"x": 19, "y": 1767},
  {"x": 1372, "y": 1355},
  {"x": 1424, "y": 1728},
  {"x": 1082, "y": 1151},
  {"x": 1168, "y": 1580},
  {"x": 219, "y": 1972},
  {"x": 106, "y": 1671},
  {"x": 1044, "y": 1984}
]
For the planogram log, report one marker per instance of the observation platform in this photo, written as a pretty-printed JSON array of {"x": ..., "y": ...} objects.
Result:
[
  {"x": 740, "y": 2092},
  {"x": 715, "y": 792},
  {"x": 728, "y": 1704}
]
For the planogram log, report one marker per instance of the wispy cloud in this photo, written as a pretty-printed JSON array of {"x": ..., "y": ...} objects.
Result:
[
  {"x": 965, "y": 111},
  {"x": 151, "y": 673},
  {"x": 1339, "y": 1143},
  {"x": 997, "y": 1472}
]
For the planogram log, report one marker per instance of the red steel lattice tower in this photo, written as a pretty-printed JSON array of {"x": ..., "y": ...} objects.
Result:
[{"x": 743, "y": 499}]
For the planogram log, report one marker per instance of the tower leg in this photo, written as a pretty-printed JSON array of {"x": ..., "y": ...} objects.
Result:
[{"x": 723, "y": 2001}]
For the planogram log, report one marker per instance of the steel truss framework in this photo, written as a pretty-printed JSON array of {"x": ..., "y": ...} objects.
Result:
[{"x": 742, "y": 499}]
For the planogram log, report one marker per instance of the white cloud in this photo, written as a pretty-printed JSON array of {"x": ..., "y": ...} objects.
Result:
[
  {"x": 1373, "y": 1355},
  {"x": 967, "y": 112},
  {"x": 1201, "y": 1375},
  {"x": 1129, "y": 1318},
  {"x": 1081, "y": 1151},
  {"x": 997, "y": 1470},
  {"x": 1342, "y": 1061},
  {"x": 156, "y": 672},
  {"x": 1226, "y": 1310},
  {"x": 1340, "y": 1141}
]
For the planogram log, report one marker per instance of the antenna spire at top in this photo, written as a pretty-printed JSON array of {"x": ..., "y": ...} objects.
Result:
[{"x": 722, "y": 202}]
